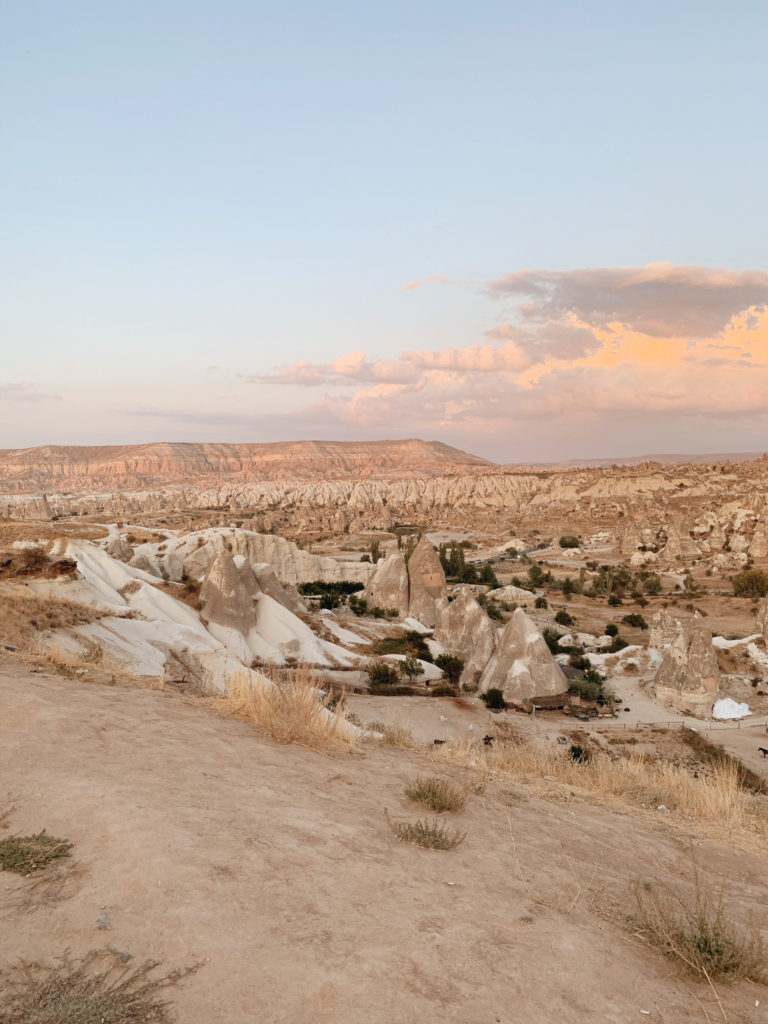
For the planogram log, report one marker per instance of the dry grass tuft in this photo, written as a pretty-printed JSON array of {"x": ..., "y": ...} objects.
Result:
[
  {"x": 93, "y": 990},
  {"x": 436, "y": 794},
  {"x": 432, "y": 835},
  {"x": 715, "y": 803},
  {"x": 24, "y": 615},
  {"x": 25, "y": 854},
  {"x": 395, "y": 734},
  {"x": 289, "y": 709},
  {"x": 698, "y": 934}
]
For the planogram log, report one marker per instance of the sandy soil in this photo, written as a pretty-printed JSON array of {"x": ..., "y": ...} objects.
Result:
[{"x": 276, "y": 868}]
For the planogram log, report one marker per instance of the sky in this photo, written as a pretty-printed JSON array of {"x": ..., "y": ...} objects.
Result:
[{"x": 534, "y": 231}]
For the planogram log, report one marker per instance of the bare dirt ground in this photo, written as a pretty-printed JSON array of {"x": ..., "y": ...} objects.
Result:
[{"x": 199, "y": 841}]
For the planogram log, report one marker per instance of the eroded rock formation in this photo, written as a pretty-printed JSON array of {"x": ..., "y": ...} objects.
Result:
[{"x": 688, "y": 677}]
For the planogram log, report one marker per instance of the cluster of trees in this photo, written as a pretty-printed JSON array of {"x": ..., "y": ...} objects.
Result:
[
  {"x": 331, "y": 594},
  {"x": 456, "y": 567}
]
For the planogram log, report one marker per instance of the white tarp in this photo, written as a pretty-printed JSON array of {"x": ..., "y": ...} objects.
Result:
[{"x": 729, "y": 708}]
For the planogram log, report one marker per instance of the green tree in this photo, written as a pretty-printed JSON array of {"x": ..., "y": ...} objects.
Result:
[
  {"x": 450, "y": 666},
  {"x": 488, "y": 577},
  {"x": 410, "y": 666}
]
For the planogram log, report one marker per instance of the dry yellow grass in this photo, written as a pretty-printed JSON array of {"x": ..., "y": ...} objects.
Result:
[
  {"x": 11, "y": 531},
  {"x": 24, "y": 615},
  {"x": 714, "y": 803},
  {"x": 289, "y": 709}
]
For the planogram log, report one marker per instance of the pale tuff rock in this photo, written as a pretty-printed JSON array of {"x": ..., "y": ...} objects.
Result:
[
  {"x": 291, "y": 564},
  {"x": 464, "y": 628},
  {"x": 285, "y": 594},
  {"x": 665, "y": 629},
  {"x": 426, "y": 583},
  {"x": 389, "y": 586},
  {"x": 250, "y": 623},
  {"x": 759, "y": 546},
  {"x": 738, "y": 543},
  {"x": 228, "y": 595},
  {"x": 762, "y": 618},
  {"x": 688, "y": 677},
  {"x": 717, "y": 539},
  {"x": 522, "y": 665},
  {"x": 679, "y": 544},
  {"x": 119, "y": 548},
  {"x": 513, "y": 595},
  {"x": 630, "y": 540},
  {"x": 641, "y": 558}
]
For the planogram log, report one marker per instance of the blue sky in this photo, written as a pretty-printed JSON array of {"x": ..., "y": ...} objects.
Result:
[{"x": 249, "y": 186}]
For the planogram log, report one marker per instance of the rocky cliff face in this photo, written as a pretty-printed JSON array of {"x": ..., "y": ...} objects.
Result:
[{"x": 688, "y": 677}]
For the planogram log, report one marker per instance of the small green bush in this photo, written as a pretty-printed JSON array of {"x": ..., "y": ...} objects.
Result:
[
  {"x": 611, "y": 629},
  {"x": 494, "y": 698},
  {"x": 541, "y": 602},
  {"x": 568, "y": 540},
  {"x": 635, "y": 620},
  {"x": 381, "y": 673},
  {"x": 563, "y": 619}
]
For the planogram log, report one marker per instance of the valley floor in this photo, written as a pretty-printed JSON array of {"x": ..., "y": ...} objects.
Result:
[{"x": 198, "y": 841}]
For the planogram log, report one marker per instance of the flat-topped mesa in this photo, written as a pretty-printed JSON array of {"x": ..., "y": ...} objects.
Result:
[
  {"x": 522, "y": 666},
  {"x": 688, "y": 677},
  {"x": 72, "y": 468},
  {"x": 464, "y": 628},
  {"x": 426, "y": 583}
]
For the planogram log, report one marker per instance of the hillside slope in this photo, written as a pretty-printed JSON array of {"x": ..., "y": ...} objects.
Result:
[{"x": 199, "y": 841}]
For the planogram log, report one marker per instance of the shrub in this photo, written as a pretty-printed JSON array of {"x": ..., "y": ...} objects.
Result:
[
  {"x": 430, "y": 834},
  {"x": 358, "y": 605},
  {"x": 579, "y": 754},
  {"x": 541, "y": 602},
  {"x": 699, "y": 936},
  {"x": 381, "y": 673},
  {"x": 25, "y": 854},
  {"x": 450, "y": 666},
  {"x": 568, "y": 540},
  {"x": 635, "y": 620},
  {"x": 489, "y": 578},
  {"x": 92, "y": 990},
  {"x": 614, "y": 600},
  {"x": 611, "y": 629},
  {"x": 751, "y": 583},
  {"x": 494, "y": 611},
  {"x": 563, "y": 619},
  {"x": 619, "y": 643},
  {"x": 552, "y": 638},
  {"x": 493, "y": 698},
  {"x": 436, "y": 794}
]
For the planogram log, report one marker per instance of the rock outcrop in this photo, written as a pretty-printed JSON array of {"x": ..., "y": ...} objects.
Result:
[
  {"x": 688, "y": 677},
  {"x": 426, "y": 583},
  {"x": 463, "y": 627},
  {"x": 513, "y": 595},
  {"x": 522, "y": 666},
  {"x": 664, "y": 630},
  {"x": 389, "y": 587}
]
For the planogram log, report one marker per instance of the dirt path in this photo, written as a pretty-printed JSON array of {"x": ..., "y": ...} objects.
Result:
[{"x": 275, "y": 867}]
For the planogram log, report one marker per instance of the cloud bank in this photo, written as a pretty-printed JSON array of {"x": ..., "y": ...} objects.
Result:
[{"x": 606, "y": 346}]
